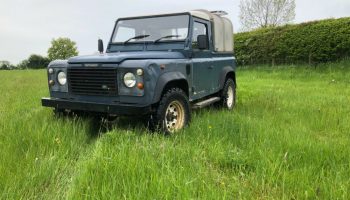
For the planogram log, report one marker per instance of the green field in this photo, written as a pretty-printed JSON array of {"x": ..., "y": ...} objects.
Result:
[{"x": 288, "y": 138}]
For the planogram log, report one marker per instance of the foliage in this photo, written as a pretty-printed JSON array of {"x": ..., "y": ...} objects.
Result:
[
  {"x": 37, "y": 61},
  {"x": 288, "y": 138},
  {"x": 6, "y": 65},
  {"x": 23, "y": 64},
  {"x": 62, "y": 48},
  {"x": 34, "y": 62},
  {"x": 266, "y": 13},
  {"x": 312, "y": 42}
]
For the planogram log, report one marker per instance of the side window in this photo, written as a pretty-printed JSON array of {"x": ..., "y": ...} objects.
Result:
[{"x": 198, "y": 29}]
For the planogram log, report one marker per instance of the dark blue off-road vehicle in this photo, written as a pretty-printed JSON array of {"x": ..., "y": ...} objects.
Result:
[{"x": 161, "y": 66}]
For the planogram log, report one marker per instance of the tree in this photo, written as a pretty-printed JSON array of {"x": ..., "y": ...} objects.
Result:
[
  {"x": 62, "y": 48},
  {"x": 23, "y": 64},
  {"x": 34, "y": 62},
  {"x": 265, "y": 13},
  {"x": 5, "y": 65},
  {"x": 37, "y": 62}
]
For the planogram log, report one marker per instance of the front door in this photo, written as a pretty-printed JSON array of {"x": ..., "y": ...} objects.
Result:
[{"x": 201, "y": 65}]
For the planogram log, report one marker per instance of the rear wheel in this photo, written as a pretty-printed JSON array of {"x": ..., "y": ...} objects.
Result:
[
  {"x": 228, "y": 95},
  {"x": 173, "y": 112}
]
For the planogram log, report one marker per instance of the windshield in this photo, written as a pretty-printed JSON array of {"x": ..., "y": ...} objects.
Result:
[{"x": 152, "y": 29}]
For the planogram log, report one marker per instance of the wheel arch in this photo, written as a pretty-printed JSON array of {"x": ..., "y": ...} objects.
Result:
[
  {"x": 227, "y": 72},
  {"x": 170, "y": 80}
]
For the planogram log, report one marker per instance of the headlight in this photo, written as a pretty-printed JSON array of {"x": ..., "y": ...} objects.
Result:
[
  {"x": 62, "y": 78},
  {"x": 129, "y": 80}
]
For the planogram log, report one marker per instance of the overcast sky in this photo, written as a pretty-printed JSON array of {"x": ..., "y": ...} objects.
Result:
[{"x": 28, "y": 26}]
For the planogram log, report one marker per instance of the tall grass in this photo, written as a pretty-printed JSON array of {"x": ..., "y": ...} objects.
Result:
[{"x": 287, "y": 138}]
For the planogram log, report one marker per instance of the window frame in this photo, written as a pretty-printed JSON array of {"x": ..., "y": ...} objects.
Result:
[
  {"x": 206, "y": 24},
  {"x": 151, "y": 16}
]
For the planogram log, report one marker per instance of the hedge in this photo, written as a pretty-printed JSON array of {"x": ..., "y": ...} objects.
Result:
[{"x": 312, "y": 42}]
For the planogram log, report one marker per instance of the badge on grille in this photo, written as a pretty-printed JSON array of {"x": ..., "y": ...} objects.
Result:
[{"x": 105, "y": 87}]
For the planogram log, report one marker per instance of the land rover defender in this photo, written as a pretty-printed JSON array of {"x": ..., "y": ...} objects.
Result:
[{"x": 161, "y": 66}]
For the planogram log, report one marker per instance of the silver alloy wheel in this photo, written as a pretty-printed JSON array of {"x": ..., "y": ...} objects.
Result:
[
  {"x": 174, "y": 116},
  {"x": 230, "y": 98}
]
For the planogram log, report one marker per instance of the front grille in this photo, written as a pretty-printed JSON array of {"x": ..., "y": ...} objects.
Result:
[{"x": 92, "y": 81}]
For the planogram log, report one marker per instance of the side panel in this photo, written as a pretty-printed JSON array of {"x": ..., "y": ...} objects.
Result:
[{"x": 213, "y": 77}]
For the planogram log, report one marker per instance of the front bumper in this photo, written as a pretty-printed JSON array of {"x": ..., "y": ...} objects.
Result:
[{"x": 118, "y": 109}]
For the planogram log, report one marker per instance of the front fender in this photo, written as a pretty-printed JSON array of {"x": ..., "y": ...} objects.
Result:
[{"x": 163, "y": 80}]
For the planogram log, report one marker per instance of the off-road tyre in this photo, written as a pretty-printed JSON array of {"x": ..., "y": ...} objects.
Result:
[
  {"x": 172, "y": 113},
  {"x": 228, "y": 95}
]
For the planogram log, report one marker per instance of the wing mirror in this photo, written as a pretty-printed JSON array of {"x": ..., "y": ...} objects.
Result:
[
  {"x": 100, "y": 46},
  {"x": 202, "y": 41}
]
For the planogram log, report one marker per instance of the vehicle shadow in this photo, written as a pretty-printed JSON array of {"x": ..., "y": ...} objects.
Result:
[{"x": 99, "y": 125}]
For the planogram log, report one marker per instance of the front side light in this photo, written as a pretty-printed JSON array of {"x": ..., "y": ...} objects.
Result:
[
  {"x": 139, "y": 72},
  {"x": 50, "y": 71},
  {"x": 51, "y": 82},
  {"x": 62, "y": 78},
  {"x": 129, "y": 80}
]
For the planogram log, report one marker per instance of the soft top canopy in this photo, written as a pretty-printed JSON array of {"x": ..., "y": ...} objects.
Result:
[{"x": 222, "y": 29}]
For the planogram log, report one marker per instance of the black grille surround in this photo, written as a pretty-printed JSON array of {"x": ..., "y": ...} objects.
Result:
[{"x": 95, "y": 81}]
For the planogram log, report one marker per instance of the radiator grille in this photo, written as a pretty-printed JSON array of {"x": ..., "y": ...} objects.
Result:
[{"x": 92, "y": 81}]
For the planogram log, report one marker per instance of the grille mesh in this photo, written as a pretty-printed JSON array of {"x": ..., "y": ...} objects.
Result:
[{"x": 93, "y": 81}]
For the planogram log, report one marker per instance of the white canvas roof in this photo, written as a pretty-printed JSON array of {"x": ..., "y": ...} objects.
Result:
[{"x": 222, "y": 29}]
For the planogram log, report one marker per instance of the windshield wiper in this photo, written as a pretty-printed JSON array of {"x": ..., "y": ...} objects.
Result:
[
  {"x": 136, "y": 38},
  {"x": 164, "y": 37}
]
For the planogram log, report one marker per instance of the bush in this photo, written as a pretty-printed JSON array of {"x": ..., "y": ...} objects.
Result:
[
  {"x": 6, "y": 65},
  {"x": 37, "y": 62},
  {"x": 34, "y": 62},
  {"x": 312, "y": 42},
  {"x": 23, "y": 64}
]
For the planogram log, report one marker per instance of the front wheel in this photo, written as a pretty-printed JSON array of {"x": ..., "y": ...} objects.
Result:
[
  {"x": 173, "y": 112},
  {"x": 228, "y": 95}
]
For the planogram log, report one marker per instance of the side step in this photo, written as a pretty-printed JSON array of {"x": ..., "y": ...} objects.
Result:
[{"x": 205, "y": 103}]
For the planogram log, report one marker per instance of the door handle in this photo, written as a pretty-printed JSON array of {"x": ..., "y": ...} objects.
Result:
[{"x": 210, "y": 67}]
